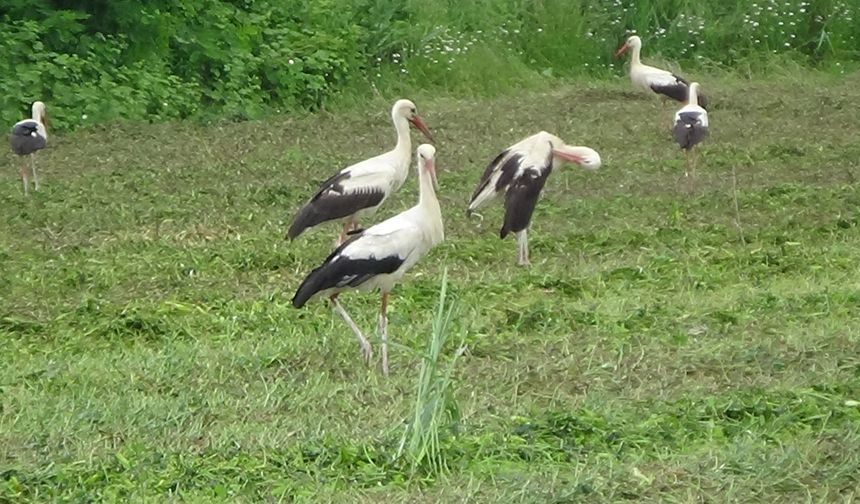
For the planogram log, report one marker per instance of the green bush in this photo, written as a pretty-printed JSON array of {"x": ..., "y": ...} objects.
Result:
[{"x": 95, "y": 61}]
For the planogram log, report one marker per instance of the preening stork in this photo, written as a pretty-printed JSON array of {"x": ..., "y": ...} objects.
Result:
[
  {"x": 358, "y": 190},
  {"x": 29, "y": 136},
  {"x": 379, "y": 256},
  {"x": 691, "y": 127},
  {"x": 520, "y": 172},
  {"x": 654, "y": 79}
]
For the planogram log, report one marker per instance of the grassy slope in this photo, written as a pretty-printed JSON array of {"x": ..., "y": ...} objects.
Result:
[{"x": 654, "y": 351}]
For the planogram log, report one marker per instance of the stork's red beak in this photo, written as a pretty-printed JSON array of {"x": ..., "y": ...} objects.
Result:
[
  {"x": 567, "y": 156},
  {"x": 418, "y": 123},
  {"x": 621, "y": 50}
]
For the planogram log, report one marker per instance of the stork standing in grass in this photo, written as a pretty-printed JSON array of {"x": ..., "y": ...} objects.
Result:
[
  {"x": 691, "y": 127},
  {"x": 520, "y": 172},
  {"x": 657, "y": 80},
  {"x": 29, "y": 136},
  {"x": 358, "y": 190},
  {"x": 378, "y": 257}
]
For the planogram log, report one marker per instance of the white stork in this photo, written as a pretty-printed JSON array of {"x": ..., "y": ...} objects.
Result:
[
  {"x": 359, "y": 190},
  {"x": 520, "y": 172},
  {"x": 29, "y": 136},
  {"x": 691, "y": 127},
  {"x": 378, "y": 257},
  {"x": 655, "y": 79}
]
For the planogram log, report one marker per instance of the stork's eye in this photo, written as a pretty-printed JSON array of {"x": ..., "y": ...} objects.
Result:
[{"x": 413, "y": 110}]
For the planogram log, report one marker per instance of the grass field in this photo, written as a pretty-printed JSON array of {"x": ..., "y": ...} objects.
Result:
[{"x": 663, "y": 346}]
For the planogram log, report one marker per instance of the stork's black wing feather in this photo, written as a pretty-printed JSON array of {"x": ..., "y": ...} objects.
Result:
[
  {"x": 509, "y": 171},
  {"x": 331, "y": 202},
  {"x": 25, "y": 138},
  {"x": 679, "y": 91},
  {"x": 340, "y": 270},
  {"x": 688, "y": 130},
  {"x": 521, "y": 198},
  {"x": 488, "y": 172}
]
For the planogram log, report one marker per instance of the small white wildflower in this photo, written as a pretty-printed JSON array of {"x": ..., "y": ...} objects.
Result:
[
  {"x": 84, "y": 117},
  {"x": 291, "y": 61}
]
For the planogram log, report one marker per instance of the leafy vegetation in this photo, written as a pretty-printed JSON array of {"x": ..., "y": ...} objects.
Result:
[
  {"x": 663, "y": 347},
  {"x": 166, "y": 59}
]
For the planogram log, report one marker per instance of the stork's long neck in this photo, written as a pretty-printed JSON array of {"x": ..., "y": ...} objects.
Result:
[
  {"x": 426, "y": 193},
  {"x": 429, "y": 203},
  {"x": 693, "y": 98},
  {"x": 404, "y": 141},
  {"x": 634, "y": 55},
  {"x": 38, "y": 115}
]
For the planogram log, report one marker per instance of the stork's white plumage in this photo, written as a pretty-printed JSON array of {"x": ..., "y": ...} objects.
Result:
[
  {"x": 378, "y": 257},
  {"x": 520, "y": 172},
  {"x": 691, "y": 127},
  {"x": 655, "y": 79},
  {"x": 358, "y": 190},
  {"x": 29, "y": 136}
]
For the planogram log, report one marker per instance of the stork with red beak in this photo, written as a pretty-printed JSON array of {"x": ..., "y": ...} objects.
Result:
[
  {"x": 29, "y": 136},
  {"x": 659, "y": 81},
  {"x": 520, "y": 172},
  {"x": 359, "y": 190},
  {"x": 379, "y": 256}
]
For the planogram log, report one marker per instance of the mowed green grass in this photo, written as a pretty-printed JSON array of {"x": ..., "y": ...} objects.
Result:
[{"x": 662, "y": 347}]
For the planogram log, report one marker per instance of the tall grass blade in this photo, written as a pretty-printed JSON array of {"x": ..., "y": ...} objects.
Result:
[{"x": 435, "y": 407}]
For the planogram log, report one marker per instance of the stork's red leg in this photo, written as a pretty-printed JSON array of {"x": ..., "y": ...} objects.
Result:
[
  {"x": 33, "y": 168},
  {"x": 342, "y": 237},
  {"x": 383, "y": 331},
  {"x": 695, "y": 153},
  {"x": 523, "y": 247},
  {"x": 24, "y": 177},
  {"x": 366, "y": 349}
]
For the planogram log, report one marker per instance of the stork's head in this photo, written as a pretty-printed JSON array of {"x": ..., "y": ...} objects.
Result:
[
  {"x": 406, "y": 109},
  {"x": 583, "y": 156},
  {"x": 427, "y": 162},
  {"x": 39, "y": 113},
  {"x": 633, "y": 42}
]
